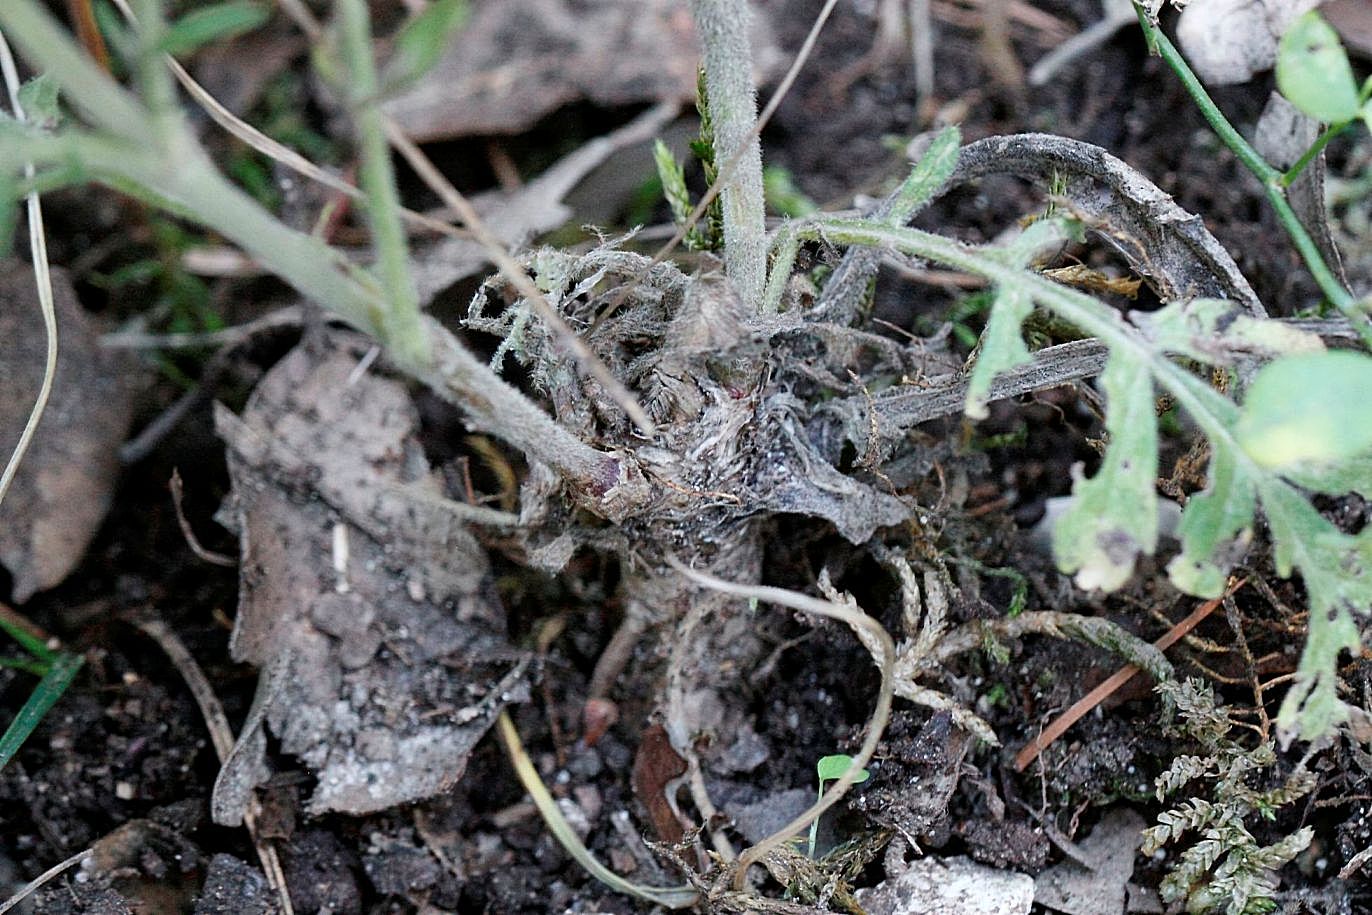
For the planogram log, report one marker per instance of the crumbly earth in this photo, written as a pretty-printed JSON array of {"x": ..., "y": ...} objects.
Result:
[{"x": 124, "y": 762}]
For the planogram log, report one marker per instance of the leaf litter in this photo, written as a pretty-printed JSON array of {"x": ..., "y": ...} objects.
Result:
[{"x": 371, "y": 614}]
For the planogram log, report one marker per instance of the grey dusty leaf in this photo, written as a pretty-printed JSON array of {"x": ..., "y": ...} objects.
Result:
[{"x": 381, "y": 645}]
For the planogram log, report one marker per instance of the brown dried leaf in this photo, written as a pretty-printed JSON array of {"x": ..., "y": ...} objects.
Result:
[
  {"x": 64, "y": 487},
  {"x": 371, "y": 613},
  {"x": 518, "y": 60}
]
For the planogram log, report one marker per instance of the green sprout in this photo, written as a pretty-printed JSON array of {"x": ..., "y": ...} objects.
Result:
[{"x": 831, "y": 769}]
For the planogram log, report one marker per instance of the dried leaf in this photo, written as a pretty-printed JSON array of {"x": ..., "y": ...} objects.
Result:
[
  {"x": 66, "y": 482},
  {"x": 371, "y": 614}
]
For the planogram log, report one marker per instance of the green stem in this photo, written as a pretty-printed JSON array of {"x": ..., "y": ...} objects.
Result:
[
  {"x": 1271, "y": 178},
  {"x": 403, "y": 329},
  {"x": 723, "y": 29},
  {"x": 155, "y": 80},
  {"x": 91, "y": 90},
  {"x": 1333, "y": 130}
]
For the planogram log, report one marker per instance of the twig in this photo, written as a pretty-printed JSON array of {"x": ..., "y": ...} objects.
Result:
[
  {"x": 1116, "y": 680},
  {"x": 43, "y": 878},
  {"x": 210, "y": 556},
  {"x": 221, "y": 735}
]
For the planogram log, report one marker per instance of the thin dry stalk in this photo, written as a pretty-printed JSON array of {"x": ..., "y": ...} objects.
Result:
[
  {"x": 43, "y": 878},
  {"x": 1086, "y": 703},
  {"x": 221, "y": 735}
]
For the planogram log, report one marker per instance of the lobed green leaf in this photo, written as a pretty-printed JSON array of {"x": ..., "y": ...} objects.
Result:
[
  {"x": 1114, "y": 515},
  {"x": 1215, "y": 528}
]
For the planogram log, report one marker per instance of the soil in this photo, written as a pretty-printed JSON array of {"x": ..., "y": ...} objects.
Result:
[{"x": 124, "y": 761}]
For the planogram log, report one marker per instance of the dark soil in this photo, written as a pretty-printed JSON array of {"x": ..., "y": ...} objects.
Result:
[{"x": 124, "y": 761}]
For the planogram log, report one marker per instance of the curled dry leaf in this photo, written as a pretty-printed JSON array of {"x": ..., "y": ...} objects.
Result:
[
  {"x": 64, "y": 487},
  {"x": 371, "y": 613}
]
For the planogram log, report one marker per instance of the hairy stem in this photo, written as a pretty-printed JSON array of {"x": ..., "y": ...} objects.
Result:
[
  {"x": 723, "y": 29},
  {"x": 404, "y": 331}
]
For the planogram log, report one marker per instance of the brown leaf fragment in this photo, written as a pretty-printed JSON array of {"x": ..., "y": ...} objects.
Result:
[
  {"x": 65, "y": 484},
  {"x": 657, "y": 771},
  {"x": 371, "y": 614}
]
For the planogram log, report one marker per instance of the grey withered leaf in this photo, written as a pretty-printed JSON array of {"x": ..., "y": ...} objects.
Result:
[{"x": 371, "y": 614}]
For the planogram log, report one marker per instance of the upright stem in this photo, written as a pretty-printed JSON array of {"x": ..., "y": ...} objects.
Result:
[
  {"x": 1272, "y": 179},
  {"x": 401, "y": 325},
  {"x": 723, "y": 29}
]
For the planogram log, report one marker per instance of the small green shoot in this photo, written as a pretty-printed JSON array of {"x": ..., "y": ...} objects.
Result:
[
  {"x": 56, "y": 679},
  {"x": 423, "y": 40},
  {"x": 212, "y": 23},
  {"x": 831, "y": 769}
]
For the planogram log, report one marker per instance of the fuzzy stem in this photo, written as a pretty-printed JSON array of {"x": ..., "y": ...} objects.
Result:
[
  {"x": 403, "y": 328},
  {"x": 728, "y": 57},
  {"x": 1272, "y": 179},
  {"x": 91, "y": 90}
]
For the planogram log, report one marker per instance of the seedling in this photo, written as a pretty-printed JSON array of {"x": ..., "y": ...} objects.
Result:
[{"x": 831, "y": 769}]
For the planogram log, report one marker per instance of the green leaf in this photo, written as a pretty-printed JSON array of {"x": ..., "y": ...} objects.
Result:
[
  {"x": 783, "y": 196},
  {"x": 928, "y": 176},
  {"x": 831, "y": 768},
  {"x": 1308, "y": 408},
  {"x": 1002, "y": 346},
  {"x": 1313, "y": 71},
  {"x": 1336, "y": 479},
  {"x": 38, "y": 98},
  {"x": 43, "y": 697},
  {"x": 1215, "y": 528},
  {"x": 423, "y": 40},
  {"x": 1337, "y": 571},
  {"x": 212, "y": 23},
  {"x": 1114, "y": 515},
  {"x": 1214, "y": 331}
]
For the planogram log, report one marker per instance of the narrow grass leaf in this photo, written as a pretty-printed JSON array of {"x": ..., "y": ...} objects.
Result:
[
  {"x": 1114, "y": 515},
  {"x": 1313, "y": 71},
  {"x": 43, "y": 697},
  {"x": 212, "y": 23}
]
